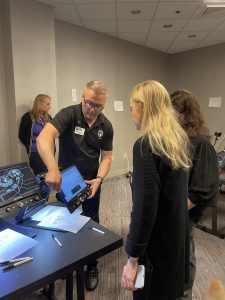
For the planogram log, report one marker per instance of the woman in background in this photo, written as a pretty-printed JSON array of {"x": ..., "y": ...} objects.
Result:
[
  {"x": 203, "y": 181},
  {"x": 31, "y": 125},
  {"x": 158, "y": 234}
]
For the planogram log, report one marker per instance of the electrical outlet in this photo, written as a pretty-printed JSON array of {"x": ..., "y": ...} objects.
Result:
[{"x": 125, "y": 155}]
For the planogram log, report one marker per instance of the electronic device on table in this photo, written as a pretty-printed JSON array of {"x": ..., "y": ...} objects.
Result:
[
  {"x": 20, "y": 191},
  {"x": 74, "y": 189}
]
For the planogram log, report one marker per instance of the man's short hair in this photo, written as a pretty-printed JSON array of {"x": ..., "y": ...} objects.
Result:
[{"x": 96, "y": 86}]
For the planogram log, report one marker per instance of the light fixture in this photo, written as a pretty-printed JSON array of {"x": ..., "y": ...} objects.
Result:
[
  {"x": 135, "y": 11},
  {"x": 191, "y": 36},
  {"x": 167, "y": 25},
  {"x": 216, "y": 3}
]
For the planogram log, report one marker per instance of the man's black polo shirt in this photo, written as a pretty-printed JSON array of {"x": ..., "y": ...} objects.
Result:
[{"x": 79, "y": 144}]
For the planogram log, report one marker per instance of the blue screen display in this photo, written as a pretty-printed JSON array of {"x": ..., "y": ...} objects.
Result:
[{"x": 72, "y": 183}]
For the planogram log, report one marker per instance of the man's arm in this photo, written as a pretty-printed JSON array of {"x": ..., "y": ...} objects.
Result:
[
  {"x": 106, "y": 158},
  {"x": 45, "y": 145}
]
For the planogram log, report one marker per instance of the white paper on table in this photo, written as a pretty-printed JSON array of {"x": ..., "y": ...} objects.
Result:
[
  {"x": 72, "y": 223},
  {"x": 13, "y": 243},
  {"x": 50, "y": 210}
]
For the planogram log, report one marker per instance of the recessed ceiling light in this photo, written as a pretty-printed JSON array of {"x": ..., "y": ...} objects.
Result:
[
  {"x": 177, "y": 11},
  {"x": 167, "y": 25},
  {"x": 191, "y": 36},
  {"x": 135, "y": 11}
]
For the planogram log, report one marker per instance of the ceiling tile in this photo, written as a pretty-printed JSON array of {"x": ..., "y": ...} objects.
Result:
[
  {"x": 207, "y": 43},
  {"x": 162, "y": 36},
  {"x": 179, "y": 46},
  {"x": 221, "y": 26},
  {"x": 167, "y": 10},
  {"x": 218, "y": 35},
  {"x": 134, "y": 26},
  {"x": 52, "y": 2},
  {"x": 138, "y": 38},
  {"x": 66, "y": 12},
  {"x": 96, "y": 11},
  {"x": 102, "y": 26},
  {"x": 146, "y": 10},
  {"x": 157, "y": 45},
  {"x": 184, "y": 35},
  {"x": 157, "y": 25},
  {"x": 201, "y": 24}
]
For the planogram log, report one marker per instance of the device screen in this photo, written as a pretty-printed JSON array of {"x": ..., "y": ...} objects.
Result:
[
  {"x": 72, "y": 183},
  {"x": 16, "y": 182}
]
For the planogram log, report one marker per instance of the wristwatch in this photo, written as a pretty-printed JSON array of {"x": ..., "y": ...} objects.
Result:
[{"x": 100, "y": 177}]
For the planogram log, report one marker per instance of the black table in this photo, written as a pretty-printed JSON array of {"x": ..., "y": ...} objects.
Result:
[{"x": 52, "y": 262}]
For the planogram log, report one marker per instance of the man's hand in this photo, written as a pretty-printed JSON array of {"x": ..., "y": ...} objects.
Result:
[
  {"x": 94, "y": 185},
  {"x": 129, "y": 275},
  {"x": 54, "y": 179}
]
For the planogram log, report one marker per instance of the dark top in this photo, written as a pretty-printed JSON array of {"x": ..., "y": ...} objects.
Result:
[
  {"x": 29, "y": 130},
  {"x": 79, "y": 144},
  {"x": 204, "y": 176},
  {"x": 158, "y": 225}
]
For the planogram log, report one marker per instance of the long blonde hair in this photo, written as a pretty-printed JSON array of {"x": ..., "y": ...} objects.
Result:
[
  {"x": 166, "y": 137},
  {"x": 35, "y": 112}
]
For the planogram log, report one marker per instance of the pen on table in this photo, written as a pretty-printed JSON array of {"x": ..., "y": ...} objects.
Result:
[
  {"x": 57, "y": 241},
  {"x": 97, "y": 230},
  {"x": 11, "y": 261},
  {"x": 12, "y": 266}
]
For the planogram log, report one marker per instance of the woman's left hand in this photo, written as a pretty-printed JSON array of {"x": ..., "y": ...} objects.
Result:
[{"x": 129, "y": 275}]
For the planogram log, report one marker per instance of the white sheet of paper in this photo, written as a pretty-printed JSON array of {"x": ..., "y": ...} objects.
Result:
[
  {"x": 13, "y": 243},
  {"x": 72, "y": 223},
  {"x": 118, "y": 105},
  {"x": 51, "y": 210},
  {"x": 215, "y": 101}
]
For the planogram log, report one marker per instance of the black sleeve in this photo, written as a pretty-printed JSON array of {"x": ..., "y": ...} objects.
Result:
[
  {"x": 204, "y": 177},
  {"x": 145, "y": 196},
  {"x": 107, "y": 144},
  {"x": 24, "y": 129},
  {"x": 62, "y": 119}
]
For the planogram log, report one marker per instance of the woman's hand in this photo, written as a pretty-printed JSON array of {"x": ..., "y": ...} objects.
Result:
[{"x": 129, "y": 274}]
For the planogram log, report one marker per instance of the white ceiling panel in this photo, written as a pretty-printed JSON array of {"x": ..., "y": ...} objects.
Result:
[
  {"x": 146, "y": 10},
  {"x": 216, "y": 36},
  {"x": 101, "y": 26},
  {"x": 113, "y": 17},
  {"x": 192, "y": 36},
  {"x": 162, "y": 36},
  {"x": 169, "y": 10},
  {"x": 208, "y": 43},
  {"x": 201, "y": 24},
  {"x": 137, "y": 38},
  {"x": 96, "y": 11},
  {"x": 141, "y": 26},
  {"x": 177, "y": 24},
  {"x": 66, "y": 12}
]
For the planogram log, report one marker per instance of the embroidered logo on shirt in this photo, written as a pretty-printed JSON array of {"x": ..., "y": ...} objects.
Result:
[{"x": 100, "y": 134}]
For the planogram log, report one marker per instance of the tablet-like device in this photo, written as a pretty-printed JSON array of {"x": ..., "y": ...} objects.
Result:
[{"x": 74, "y": 189}]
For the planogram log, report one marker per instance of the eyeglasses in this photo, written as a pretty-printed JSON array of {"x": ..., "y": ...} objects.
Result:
[{"x": 96, "y": 107}]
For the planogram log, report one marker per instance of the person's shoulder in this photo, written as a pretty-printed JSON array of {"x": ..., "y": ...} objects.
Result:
[
  {"x": 27, "y": 116},
  {"x": 105, "y": 120},
  {"x": 201, "y": 140}
]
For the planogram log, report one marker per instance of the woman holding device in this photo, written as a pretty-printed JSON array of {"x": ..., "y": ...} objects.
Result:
[{"x": 158, "y": 233}]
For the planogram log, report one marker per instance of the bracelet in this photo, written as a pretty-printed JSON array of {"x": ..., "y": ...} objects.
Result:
[{"x": 101, "y": 178}]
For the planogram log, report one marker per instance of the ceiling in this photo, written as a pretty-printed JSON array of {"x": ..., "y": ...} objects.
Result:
[{"x": 164, "y": 25}]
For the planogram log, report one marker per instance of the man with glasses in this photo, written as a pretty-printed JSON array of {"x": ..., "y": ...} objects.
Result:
[{"x": 85, "y": 136}]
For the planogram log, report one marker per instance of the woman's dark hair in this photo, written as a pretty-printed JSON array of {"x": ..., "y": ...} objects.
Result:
[{"x": 194, "y": 123}]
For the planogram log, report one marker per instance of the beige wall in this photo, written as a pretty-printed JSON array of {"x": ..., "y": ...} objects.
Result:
[
  {"x": 202, "y": 71},
  {"x": 83, "y": 55}
]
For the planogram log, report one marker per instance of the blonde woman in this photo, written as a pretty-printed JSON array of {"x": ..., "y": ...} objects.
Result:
[
  {"x": 31, "y": 125},
  {"x": 158, "y": 233}
]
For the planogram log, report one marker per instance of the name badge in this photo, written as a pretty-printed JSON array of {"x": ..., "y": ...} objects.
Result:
[{"x": 79, "y": 130}]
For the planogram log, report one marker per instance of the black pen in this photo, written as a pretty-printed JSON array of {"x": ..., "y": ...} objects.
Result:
[
  {"x": 57, "y": 241},
  {"x": 12, "y": 266}
]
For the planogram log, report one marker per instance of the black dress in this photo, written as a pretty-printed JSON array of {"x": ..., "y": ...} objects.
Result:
[{"x": 158, "y": 232}]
